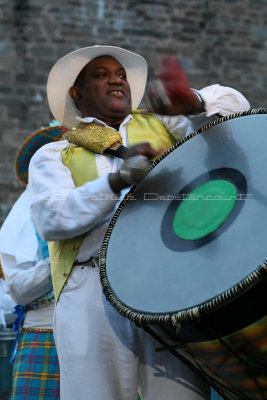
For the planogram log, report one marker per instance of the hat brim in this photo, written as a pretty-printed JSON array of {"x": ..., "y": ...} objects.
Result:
[
  {"x": 64, "y": 73},
  {"x": 31, "y": 145}
]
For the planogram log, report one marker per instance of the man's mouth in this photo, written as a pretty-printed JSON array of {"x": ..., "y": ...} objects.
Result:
[{"x": 116, "y": 92}]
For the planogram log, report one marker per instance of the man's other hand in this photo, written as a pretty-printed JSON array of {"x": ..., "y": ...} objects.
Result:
[{"x": 134, "y": 168}]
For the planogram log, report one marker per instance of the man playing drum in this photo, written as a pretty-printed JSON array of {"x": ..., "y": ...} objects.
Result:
[{"x": 77, "y": 183}]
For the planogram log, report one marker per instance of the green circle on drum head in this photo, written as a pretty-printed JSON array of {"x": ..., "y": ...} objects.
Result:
[{"x": 204, "y": 209}]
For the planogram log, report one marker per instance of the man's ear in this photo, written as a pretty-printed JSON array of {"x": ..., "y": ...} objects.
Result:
[{"x": 74, "y": 92}]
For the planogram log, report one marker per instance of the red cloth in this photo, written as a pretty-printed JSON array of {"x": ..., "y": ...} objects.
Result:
[{"x": 174, "y": 80}]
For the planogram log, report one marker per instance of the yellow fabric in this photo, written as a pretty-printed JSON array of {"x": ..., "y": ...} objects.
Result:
[
  {"x": 148, "y": 128},
  {"x": 143, "y": 128},
  {"x": 62, "y": 255},
  {"x": 94, "y": 137},
  {"x": 82, "y": 163}
]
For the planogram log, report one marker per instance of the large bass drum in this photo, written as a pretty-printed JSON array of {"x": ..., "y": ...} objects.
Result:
[{"x": 184, "y": 255}]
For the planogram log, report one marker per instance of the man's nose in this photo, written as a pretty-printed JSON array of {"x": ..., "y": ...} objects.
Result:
[{"x": 115, "y": 79}]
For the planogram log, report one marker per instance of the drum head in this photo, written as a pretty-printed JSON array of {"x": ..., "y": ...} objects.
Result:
[{"x": 194, "y": 231}]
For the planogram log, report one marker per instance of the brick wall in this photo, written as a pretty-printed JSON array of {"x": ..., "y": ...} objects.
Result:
[{"x": 222, "y": 41}]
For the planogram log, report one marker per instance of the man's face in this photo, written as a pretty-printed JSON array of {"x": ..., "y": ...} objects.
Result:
[{"x": 104, "y": 92}]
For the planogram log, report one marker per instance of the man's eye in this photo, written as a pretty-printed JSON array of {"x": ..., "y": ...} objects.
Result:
[
  {"x": 100, "y": 74},
  {"x": 123, "y": 76}
]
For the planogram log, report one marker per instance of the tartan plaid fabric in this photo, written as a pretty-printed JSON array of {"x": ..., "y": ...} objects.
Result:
[{"x": 36, "y": 368}]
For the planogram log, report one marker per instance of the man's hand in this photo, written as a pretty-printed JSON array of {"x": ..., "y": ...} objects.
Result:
[
  {"x": 171, "y": 94},
  {"x": 134, "y": 168},
  {"x": 144, "y": 149}
]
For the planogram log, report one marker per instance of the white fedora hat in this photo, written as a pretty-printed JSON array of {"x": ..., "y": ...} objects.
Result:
[{"x": 64, "y": 73}]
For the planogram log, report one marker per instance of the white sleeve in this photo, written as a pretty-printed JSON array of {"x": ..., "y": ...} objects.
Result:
[
  {"x": 27, "y": 281},
  {"x": 218, "y": 99},
  {"x": 59, "y": 209},
  {"x": 17, "y": 234},
  {"x": 223, "y": 100},
  {"x": 6, "y": 302},
  {"x": 26, "y": 277},
  {"x": 178, "y": 126}
]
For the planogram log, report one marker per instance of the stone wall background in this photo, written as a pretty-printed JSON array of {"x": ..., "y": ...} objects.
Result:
[{"x": 217, "y": 41}]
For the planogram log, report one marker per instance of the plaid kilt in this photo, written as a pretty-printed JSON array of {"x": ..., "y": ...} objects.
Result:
[{"x": 36, "y": 368}]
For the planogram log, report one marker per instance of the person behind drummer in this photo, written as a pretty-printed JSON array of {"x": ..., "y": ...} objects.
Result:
[
  {"x": 26, "y": 266},
  {"x": 76, "y": 184},
  {"x": 25, "y": 261}
]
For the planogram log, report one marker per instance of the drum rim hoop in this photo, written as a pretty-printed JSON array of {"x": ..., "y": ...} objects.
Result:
[{"x": 191, "y": 313}]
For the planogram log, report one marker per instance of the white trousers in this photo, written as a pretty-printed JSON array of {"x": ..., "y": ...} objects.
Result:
[{"x": 104, "y": 356}]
